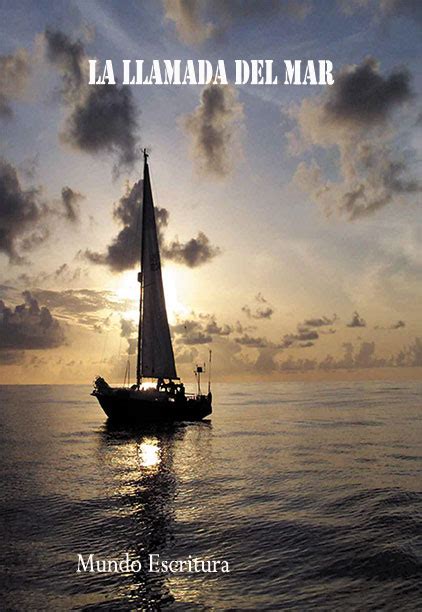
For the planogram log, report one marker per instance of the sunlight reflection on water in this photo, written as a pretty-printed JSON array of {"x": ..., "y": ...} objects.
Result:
[
  {"x": 311, "y": 493},
  {"x": 149, "y": 453}
]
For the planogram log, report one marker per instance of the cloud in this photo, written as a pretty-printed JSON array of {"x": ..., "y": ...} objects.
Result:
[
  {"x": 11, "y": 357},
  {"x": 214, "y": 126},
  {"x": 199, "y": 20},
  {"x": 354, "y": 120},
  {"x": 14, "y": 74},
  {"x": 186, "y": 15},
  {"x": 362, "y": 96},
  {"x": 186, "y": 355},
  {"x": 217, "y": 330},
  {"x": 412, "y": 355},
  {"x": 253, "y": 342},
  {"x": 21, "y": 212},
  {"x": 261, "y": 309},
  {"x": 301, "y": 338},
  {"x": 354, "y": 358},
  {"x": 77, "y": 302},
  {"x": 63, "y": 273},
  {"x": 24, "y": 216},
  {"x": 123, "y": 252},
  {"x": 83, "y": 307},
  {"x": 191, "y": 331},
  {"x": 391, "y": 9},
  {"x": 127, "y": 330},
  {"x": 200, "y": 329},
  {"x": 399, "y": 324},
  {"x": 357, "y": 321},
  {"x": 192, "y": 253},
  {"x": 320, "y": 321},
  {"x": 105, "y": 121},
  {"x": 402, "y": 8},
  {"x": 70, "y": 200},
  {"x": 28, "y": 326},
  {"x": 101, "y": 119},
  {"x": 69, "y": 56}
]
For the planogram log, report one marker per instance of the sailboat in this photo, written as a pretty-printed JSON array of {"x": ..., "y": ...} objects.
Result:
[{"x": 158, "y": 395}]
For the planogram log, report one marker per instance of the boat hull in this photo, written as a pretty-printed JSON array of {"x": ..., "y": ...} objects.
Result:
[{"x": 122, "y": 406}]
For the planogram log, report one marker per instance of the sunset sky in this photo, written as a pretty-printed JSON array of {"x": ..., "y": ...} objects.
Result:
[{"x": 289, "y": 216}]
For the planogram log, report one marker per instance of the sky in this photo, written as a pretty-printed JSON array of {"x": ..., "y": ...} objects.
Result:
[{"x": 289, "y": 216}]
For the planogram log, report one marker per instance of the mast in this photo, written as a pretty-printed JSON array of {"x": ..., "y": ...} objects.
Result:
[{"x": 141, "y": 283}]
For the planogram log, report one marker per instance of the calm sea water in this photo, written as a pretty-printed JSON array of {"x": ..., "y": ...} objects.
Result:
[{"x": 311, "y": 492}]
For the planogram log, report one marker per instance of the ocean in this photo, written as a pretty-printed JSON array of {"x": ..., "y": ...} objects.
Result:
[{"x": 310, "y": 492}]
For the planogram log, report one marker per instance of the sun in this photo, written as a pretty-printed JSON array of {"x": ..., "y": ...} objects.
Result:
[{"x": 126, "y": 289}]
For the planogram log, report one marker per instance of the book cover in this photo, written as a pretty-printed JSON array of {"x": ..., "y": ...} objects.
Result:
[{"x": 210, "y": 332}]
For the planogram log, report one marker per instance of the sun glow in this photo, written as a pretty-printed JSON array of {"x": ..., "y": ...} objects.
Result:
[
  {"x": 175, "y": 308},
  {"x": 149, "y": 453},
  {"x": 127, "y": 290}
]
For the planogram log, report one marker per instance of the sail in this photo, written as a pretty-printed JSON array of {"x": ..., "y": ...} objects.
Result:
[{"x": 157, "y": 358}]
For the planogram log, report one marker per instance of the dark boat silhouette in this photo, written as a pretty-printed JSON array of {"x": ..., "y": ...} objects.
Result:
[{"x": 165, "y": 399}]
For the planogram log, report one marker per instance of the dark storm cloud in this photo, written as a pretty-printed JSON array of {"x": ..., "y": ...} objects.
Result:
[
  {"x": 21, "y": 212},
  {"x": 14, "y": 74},
  {"x": 213, "y": 127},
  {"x": 105, "y": 121},
  {"x": 357, "y": 321},
  {"x": 28, "y": 326},
  {"x": 260, "y": 310},
  {"x": 192, "y": 253},
  {"x": 101, "y": 119},
  {"x": 362, "y": 95},
  {"x": 70, "y": 200},
  {"x": 69, "y": 56},
  {"x": 199, "y": 20},
  {"x": 123, "y": 252},
  {"x": 356, "y": 117}
]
